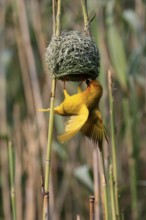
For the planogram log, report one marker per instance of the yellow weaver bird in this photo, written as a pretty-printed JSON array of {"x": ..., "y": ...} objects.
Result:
[{"x": 84, "y": 115}]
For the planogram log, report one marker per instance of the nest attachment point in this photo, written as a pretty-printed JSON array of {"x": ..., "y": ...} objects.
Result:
[{"x": 73, "y": 56}]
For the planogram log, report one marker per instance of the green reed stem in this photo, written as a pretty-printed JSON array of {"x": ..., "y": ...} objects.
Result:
[
  {"x": 122, "y": 216},
  {"x": 113, "y": 209},
  {"x": 11, "y": 172},
  {"x": 131, "y": 160},
  {"x": 87, "y": 18},
  {"x": 58, "y": 18},
  {"x": 54, "y": 15},
  {"x": 56, "y": 29},
  {"x": 85, "y": 12},
  {"x": 105, "y": 195},
  {"x": 103, "y": 172},
  {"x": 105, "y": 185},
  {"x": 48, "y": 156},
  {"x": 113, "y": 146}
]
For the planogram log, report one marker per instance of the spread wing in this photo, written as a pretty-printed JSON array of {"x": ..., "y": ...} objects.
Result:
[
  {"x": 94, "y": 128},
  {"x": 74, "y": 124}
]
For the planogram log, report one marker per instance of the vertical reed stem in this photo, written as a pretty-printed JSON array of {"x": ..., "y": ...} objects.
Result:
[
  {"x": 122, "y": 216},
  {"x": 11, "y": 172},
  {"x": 131, "y": 161},
  {"x": 105, "y": 188},
  {"x": 112, "y": 193},
  {"x": 104, "y": 185},
  {"x": 58, "y": 18},
  {"x": 92, "y": 204},
  {"x": 50, "y": 128},
  {"x": 48, "y": 156},
  {"x": 113, "y": 146},
  {"x": 102, "y": 173},
  {"x": 85, "y": 12},
  {"x": 96, "y": 184},
  {"x": 54, "y": 15}
]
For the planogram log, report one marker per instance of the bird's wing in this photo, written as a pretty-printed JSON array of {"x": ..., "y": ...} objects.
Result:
[
  {"x": 74, "y": 124},
  {"x": 94, "y": 128}
]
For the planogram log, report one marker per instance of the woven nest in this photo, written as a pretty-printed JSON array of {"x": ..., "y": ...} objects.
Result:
[{"x": 73, "y": 56}]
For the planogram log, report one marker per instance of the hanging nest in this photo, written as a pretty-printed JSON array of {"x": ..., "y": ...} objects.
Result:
[{"x": 73, "y": 56}]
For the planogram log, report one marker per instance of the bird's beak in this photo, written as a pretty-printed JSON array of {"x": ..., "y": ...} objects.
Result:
[{"x": 88, "y": 82}]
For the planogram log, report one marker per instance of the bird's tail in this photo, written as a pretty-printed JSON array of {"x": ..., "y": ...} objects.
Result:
[
  {"x": 106, "y": 135},
  {"x": 94, "y": 129},
  {"x": 100, "y": 141}
]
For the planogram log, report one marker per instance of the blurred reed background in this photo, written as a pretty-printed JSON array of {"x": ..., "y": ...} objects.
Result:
[{"x": 119, "y": 30}]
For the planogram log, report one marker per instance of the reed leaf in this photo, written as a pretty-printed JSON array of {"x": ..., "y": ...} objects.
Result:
[{"x": 116, "y": 46}]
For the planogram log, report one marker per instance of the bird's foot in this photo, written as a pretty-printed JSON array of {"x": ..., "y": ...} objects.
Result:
[{"x": 43, "y": 109}]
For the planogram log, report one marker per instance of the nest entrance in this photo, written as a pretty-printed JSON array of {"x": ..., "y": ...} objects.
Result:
[{"x": 73, "y": 56}]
